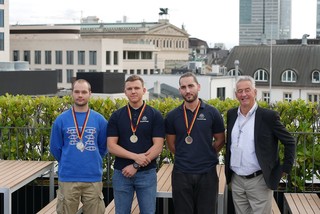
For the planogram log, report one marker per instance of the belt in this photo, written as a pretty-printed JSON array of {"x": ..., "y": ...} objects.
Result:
[{"x": 255, "y": 174}]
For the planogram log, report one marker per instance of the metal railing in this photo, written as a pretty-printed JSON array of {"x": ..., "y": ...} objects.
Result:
[{"x": 26, "y": 143}]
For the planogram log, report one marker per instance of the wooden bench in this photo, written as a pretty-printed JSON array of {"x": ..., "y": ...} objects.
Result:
[
  {"x": 51, "y": 208},
  {"x": 275, "y": 208},
  {"x": 307, "y": 203}
]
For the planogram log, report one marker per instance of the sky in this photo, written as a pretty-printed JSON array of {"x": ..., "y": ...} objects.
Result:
[{"x": 214, "y": 21}]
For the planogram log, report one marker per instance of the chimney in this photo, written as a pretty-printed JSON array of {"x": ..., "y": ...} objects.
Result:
[{"x": 304, "y": 40}]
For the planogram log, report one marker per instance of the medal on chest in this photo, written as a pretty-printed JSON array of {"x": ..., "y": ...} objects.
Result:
[
  {"x": 189, "y": 139},
  {"x": 134, "y": 138},
  {"x": 80, "y": 145}
]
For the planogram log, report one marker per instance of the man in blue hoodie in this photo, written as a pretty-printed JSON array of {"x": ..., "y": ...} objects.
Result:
[{"x": 78, "y": 143}]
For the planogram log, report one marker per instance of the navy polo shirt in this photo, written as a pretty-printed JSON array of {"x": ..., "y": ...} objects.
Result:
[
  {"x": 151, "y": 125},
  {"x": 199, "y": 156}
]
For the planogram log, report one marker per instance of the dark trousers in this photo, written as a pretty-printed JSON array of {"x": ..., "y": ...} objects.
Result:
[{"x": 195, "y": 193}]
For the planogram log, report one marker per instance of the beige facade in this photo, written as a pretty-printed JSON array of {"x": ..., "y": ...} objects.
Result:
[{"x": 132, "y": 48}]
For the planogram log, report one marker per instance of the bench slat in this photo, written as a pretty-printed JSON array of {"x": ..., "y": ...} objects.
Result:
[{"x": 301, "y": 203}]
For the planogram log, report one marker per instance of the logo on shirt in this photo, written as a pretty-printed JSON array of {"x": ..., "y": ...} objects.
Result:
[
  {"x": 87, "y": 139},
  {"x": 144, "y": 119},
  {"x": 201, "y": 117}
]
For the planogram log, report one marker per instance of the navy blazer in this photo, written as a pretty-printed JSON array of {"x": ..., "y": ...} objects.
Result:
[{"x": 268, "y": 131}]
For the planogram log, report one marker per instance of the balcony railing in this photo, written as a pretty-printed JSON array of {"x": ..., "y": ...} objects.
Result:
[{"x": 27, "y": 143}]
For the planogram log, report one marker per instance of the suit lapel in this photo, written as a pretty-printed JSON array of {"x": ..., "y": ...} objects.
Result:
[{"x": 257, "y": 124}]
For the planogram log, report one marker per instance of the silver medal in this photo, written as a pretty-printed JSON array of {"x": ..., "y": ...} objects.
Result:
[
  {"x": 188, "y": 139},
  {"x": 80, "y": 146}
]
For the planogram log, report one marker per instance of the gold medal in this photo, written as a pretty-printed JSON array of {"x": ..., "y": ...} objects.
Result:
[
  {"x": 80, "y": 146},
  {"x": 188, "y": 139},
  {"x": 134, "y": 138}
]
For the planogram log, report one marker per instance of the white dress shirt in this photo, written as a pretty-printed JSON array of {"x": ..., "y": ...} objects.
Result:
[{"x": 243, "y": 156}]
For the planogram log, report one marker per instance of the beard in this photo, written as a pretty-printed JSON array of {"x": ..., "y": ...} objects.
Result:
[{"x": 190, "y": 98}]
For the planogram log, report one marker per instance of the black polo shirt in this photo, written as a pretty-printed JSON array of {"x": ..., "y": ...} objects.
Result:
[
  {"x": 151, "y": 125},
  {"x": 199, "y": 156}
]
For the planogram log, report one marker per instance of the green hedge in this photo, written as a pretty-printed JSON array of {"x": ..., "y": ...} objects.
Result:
[{"x": 25, "y": 124}]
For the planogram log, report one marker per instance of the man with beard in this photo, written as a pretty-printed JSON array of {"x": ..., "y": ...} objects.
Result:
[
  {"x": 78, "y": 143},
  {"x": 194, "y": 134}
]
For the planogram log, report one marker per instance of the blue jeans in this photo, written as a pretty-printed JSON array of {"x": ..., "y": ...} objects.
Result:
[{"x": 144, "y": 183}]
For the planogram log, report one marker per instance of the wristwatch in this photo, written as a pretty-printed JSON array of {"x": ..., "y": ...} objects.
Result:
[{"x": 136, "y": 165}]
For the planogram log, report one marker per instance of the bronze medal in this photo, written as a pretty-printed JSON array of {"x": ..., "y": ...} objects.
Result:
[
  {"x": 134, "y": 138},
  {"x": 188, "y": 139}
]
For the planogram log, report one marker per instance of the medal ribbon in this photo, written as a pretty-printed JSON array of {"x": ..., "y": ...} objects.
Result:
[
  {"x": 140, "y": 115},
  {"x": 80, "y": 135},
  {"x": 186, "y": 118}
]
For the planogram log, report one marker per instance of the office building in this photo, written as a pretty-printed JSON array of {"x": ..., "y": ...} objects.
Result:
[{"x": 262, "y": 21}]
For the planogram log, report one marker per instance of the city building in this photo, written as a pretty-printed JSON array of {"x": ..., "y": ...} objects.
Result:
[
  {"x": 131, "y": 48},
  {"x": 264, "y": 21},
  {"x": 4, "y": 31},
  {"x": 282, "y": 72},
  {"x": 318, "y": 20}
]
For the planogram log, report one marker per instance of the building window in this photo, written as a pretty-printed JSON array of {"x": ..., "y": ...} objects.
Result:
[
  {"x": 145, "y": 71},
  {"x": 69, "y": 57},
  {"x": 48, "y": 57},
  {"x": 261, "y": 75},
  {"x": 287, "y": 97},
  {"x": 92, "y": 57},
  {"x": 131, "y": 71},
  {"x": 315, "y": 77},
  {"x": 81, "y": 71},
  {"x": 37, "y": 57},
  {"x": 92, "y": 70},
  {"x": 133, "y": 54},
  {"x": 115, "y": 71},
  {"x": 115, "y": 58},
  {"x": 1, "y": 18},
  {"x": 59, "y": 57},
  {"x": 16, "y": 55},
  {"x": 124, "y": 55},
  {"x": 59, "y": 75},
  {"x": 69, "y": 75},
  {"x": 108, "y": 57},
  {"x": 289, "y": 76},
  {"x": 313, "y": 97},
  {"x": 1, "y": 41},
  {"x": 81, "y": 57},
  {"x": 125, "y": 71},
  {"x": 26, "y": 56},
  {"x": 221, "y": 93},
  {"x": 146, "y": 55},
  {"x": 232, "y": 73},
  {"x": 266, "y": 97},
  {"x": 1, "y": 1}
]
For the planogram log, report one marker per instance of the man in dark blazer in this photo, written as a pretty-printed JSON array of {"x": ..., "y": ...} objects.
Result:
[{"x": 252, "y": 158}]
